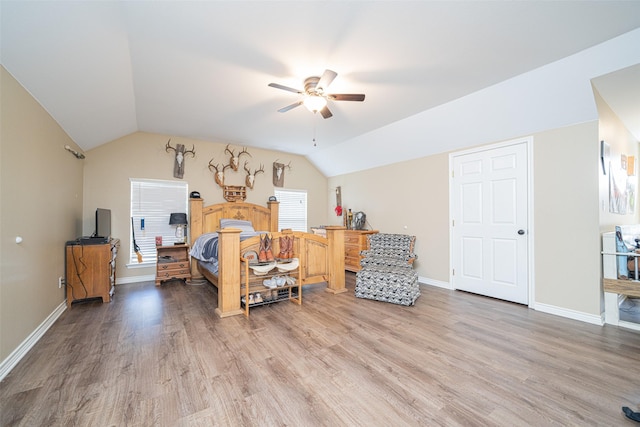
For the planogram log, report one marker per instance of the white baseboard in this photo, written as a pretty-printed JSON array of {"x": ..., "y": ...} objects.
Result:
[
  {"x": 135, "y": 279},
  {"x": 12, "y": 360},
  {"x": 629, "y": 325},
  {"x": 433, "y": 282},
  {"x": 568, "y": 313},
  {"x": 545, "y": 308}
]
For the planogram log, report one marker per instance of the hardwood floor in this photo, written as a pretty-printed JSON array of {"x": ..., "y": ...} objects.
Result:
[{"x": 159, "y": 356}]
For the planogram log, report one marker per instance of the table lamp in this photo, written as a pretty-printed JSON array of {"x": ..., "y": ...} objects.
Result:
[{"x": 180, "y": 221}]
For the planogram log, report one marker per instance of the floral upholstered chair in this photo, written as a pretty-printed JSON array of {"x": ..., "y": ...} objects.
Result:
[{"x": 387, "y": 270}]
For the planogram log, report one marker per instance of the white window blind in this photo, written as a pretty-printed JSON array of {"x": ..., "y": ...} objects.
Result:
[
  {"x": 154, "y": 201},
  {"x": 293, "y": 209}
]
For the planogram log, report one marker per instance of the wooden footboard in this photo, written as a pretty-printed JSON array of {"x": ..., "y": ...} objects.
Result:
[
  {"x": 228, "y": 273},
  {"x": 321, "y": 260}
]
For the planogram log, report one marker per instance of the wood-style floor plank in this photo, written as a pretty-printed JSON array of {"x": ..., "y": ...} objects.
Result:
[{"x": 160, "y": 356}]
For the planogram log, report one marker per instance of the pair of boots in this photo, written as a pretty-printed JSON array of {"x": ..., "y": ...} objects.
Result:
[
  {"x": 286, "y": 247},
  {"x": 265, "y": 254}
]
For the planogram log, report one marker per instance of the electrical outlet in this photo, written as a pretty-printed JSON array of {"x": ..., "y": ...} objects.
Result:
[{"x": 60, "y": 282}]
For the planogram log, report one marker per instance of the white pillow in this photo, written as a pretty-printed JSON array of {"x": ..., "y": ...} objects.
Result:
[{"x": 245, "y": 226}]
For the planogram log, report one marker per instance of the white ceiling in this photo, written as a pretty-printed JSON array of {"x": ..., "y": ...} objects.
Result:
[{"x": 201, "y": 69}]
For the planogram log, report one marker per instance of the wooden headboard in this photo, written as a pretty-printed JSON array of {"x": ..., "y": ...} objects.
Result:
[{"x": 207, "y": 219}]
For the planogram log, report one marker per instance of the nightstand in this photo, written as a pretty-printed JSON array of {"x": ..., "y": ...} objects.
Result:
[{"x": 172, "y": 263}]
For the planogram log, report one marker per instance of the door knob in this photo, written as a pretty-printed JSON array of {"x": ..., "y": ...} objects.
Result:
[{"x": 521, "y": 232}]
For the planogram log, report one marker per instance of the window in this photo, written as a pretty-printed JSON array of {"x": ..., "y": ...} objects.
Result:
[
  {"x": 154, "y": 201},
  {"x": 293, "y": 209}
]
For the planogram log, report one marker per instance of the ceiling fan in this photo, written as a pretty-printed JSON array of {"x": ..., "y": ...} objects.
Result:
[{"x": 314, "y": 94}]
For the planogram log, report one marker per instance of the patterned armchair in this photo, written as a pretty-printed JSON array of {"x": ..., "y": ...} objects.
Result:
[{"x": 387, "y": 270}]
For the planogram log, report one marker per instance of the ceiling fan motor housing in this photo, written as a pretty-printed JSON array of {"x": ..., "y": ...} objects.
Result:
[{"x": 310, "y": 84}]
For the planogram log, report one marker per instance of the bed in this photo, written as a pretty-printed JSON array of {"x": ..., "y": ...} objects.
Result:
[{"x": 321, "y": 258}]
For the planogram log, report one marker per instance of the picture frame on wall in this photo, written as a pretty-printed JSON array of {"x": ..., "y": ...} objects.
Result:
[{"x": 604, "y": 156}]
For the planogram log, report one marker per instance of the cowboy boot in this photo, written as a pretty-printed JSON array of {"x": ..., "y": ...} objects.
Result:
[
  {"x": 262, "y": 253},
  {"x": 283, "y": 247},
  {"x": 267, "y": 247},
  {"x": 289, "y": 247}
]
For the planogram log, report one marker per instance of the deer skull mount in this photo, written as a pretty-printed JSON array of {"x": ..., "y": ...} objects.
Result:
[
  {"x": 180, "y": 153},
  {"x": 250, "y": 179},
  {"x": 234, "y": 160},
  {"x": 278, "y": 173},
  {"x": 218, "y": 175}
]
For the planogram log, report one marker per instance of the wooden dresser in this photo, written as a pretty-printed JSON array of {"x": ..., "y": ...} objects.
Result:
[
  {"x": 354, "y": 242},
  {"x": 91, "y": 270},
  {"x": 173, "y": 263}
]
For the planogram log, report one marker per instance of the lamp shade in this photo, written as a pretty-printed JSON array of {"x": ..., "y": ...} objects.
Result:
[{"x": 178, "y": 219}]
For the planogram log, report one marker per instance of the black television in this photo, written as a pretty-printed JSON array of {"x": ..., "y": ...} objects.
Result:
[{"x": 103, "y": 223}]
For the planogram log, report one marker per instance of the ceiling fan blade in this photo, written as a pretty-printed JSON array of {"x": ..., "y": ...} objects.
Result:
[
  {"x": 326, "y": 79},
  {"x": 346, "y": 96},
  {"x": 290, "y": 107},
  {"x": 325, "y": 112},
  {"x": 290, "y": 89}
]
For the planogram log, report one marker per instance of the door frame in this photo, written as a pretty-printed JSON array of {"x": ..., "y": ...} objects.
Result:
[{"x": 528, "y": 141}]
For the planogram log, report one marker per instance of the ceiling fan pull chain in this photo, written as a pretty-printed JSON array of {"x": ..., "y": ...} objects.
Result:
[{"x": 315, "y": 122}]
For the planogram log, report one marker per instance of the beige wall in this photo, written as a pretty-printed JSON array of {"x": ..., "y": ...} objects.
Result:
[
  {"x": 567, "y": 242},
  {"x": 41, "y": 201},
  {"x": 416, "y": 194},
  {"x": 109, "y": 167},
  {"x": 412, "y": 194}
]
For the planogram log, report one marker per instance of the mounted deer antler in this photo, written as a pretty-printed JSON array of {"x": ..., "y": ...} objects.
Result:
[
  {"x": 250, "y": 179},
  {"x": 219, "y": 174},
  {"x": 278, "y": 172},
  {"x": 178, "y": 165},
  {"x": 234, "y": 160}
]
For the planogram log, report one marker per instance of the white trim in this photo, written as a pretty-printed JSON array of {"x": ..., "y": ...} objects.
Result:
[
  {"x": 570, "y": 314},
  {"x": 12, "y": 360},
  {"x": 528, "y": 141},
  {"x": 136, "y": 279},
  {"x": 175, "y": 183},
  {"x": 434, "y": 282},
  {"x": 629, "y": 325},
  {"x": 144, "y": 264}
]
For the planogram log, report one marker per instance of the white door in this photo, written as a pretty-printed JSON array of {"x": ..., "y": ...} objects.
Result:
[{"x": 489, "y": 213}]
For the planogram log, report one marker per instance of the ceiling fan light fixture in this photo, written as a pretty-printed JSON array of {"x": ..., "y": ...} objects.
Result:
[
  {"x": 315, "y": 96},
  {"x": 314, "y": 103}
]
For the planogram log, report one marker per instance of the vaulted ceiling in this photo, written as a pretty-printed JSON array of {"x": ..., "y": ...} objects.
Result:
[{"x": 201, "y": 69}]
